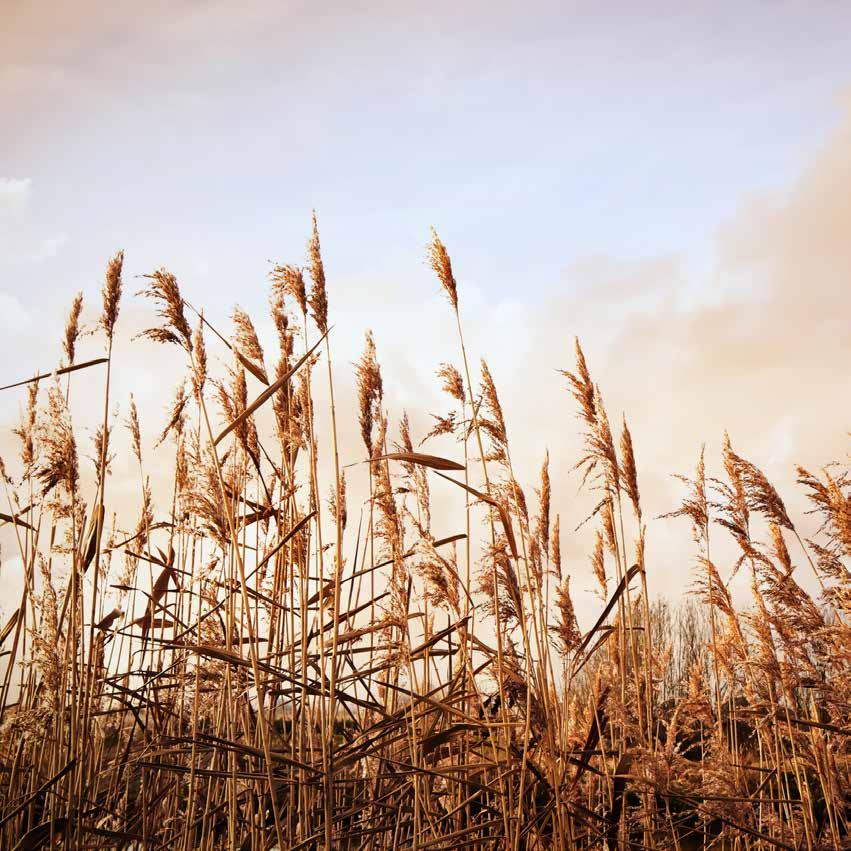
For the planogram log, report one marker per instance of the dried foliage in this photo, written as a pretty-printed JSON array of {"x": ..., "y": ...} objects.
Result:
[
  {"x": 111, "y": 295},
  {"x": 318, "y": 299},
  {"x": 72, "y": 329},
  {"x": 441, "y": 264},
  {"x": 370, "y": 391},
  {"x": 239, "y": 677}
]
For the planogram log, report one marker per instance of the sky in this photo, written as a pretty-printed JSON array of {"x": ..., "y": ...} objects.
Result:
[{"x": 669, "y": 182}]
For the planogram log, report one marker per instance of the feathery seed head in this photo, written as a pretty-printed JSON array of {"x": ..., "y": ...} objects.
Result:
[
  {"x": 496, "y": 423},
  {"x": 26, "y": 431},
  {"x": 289, "y": 280},
  {"x": 582, "y": 389},
  {"x": 72, "y": 329},
  {"x": 629, "y": 473},
  {"x": 318, "y": 300},
  {"x": 453, "y": 384},
  {"x": 112, "y": 294},
  {"x": 135, "y": 432},
  {"x": 199, "y": 377},
  {"x": 59, "y": 466},
  {"x": 165, "y": 291},
  {"x": 598, "y": 565},
  {"x": 544, "y": 497},
  {"x": 567, "y": 628},
  {"x": 442, "y": 265},
  {"x": 370, "y": 391},
  {"x": 175, "y": 418},
  {"x": 555, "y": 546},
  {"x": 247, "y": 344}
]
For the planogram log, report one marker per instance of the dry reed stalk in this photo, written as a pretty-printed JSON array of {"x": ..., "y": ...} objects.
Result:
[{"x": 236, "y": 676}]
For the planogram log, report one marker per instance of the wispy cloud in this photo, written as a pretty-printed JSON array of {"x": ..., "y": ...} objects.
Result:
[
  {"x": 13, "y": 314},
  {"x": 14, "y": 192},
  {"x": 761, "y": 348},
  {"x": 21, "y": 236}
]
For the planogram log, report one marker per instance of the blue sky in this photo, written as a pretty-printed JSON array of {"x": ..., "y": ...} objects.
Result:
[
  {"x": 669, "y": 183},
  {"x": 198, "y": 135}
]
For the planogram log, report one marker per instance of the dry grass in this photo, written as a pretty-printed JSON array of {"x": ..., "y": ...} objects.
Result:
[{"x": 249, "y": 669}]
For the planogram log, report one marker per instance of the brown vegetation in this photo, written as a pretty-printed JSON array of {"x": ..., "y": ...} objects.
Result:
[{"x": 251, "y": 669}]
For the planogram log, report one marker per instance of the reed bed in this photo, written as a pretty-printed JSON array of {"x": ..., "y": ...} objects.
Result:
[{"x": 253, "y": 663}]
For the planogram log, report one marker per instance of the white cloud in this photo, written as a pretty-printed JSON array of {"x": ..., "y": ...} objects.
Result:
[
  {"x": 21, "y": 234},
  {"x": 26, "y": 247},
  {"x": 12, "y": 313},
  {"x": 49, "y": 247},
  {"x": 14, "y": 192}
]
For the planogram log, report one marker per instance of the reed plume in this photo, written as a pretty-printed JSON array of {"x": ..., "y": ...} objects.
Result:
[
  {"x": 26, "y": 430},
  {"x": 442, "y": 265},
  {"x": 370, "y": 391},
  {"x": 164, "y": 290},
  {"x": 220, "y": 672},
  {"x": 247, "y": 344},
  {"x": 199, "y": 377},
  {"x": 628, "y": 471},
  {"x": 567, "y": 629},
  {"x": 57, "y": 446},
  {"x": 318, "y": 299},
  {"x": 453, "y": 383},
  {"x": 72, "y": 329},
  {"x": 555, "y": 546},
  {"x": 289, "y": 281},
  {"x": 111, "y": 295},
  {"x": 134, "y": 429}
]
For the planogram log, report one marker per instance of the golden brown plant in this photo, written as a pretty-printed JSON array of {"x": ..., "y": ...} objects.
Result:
[
  {"x": 72, "y": 329},
  {"x": 442, "y": 265},
  {"x": 248, "y": 672}
]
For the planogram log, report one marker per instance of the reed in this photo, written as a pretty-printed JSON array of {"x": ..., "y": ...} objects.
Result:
[{"x": 252, "y": 660}]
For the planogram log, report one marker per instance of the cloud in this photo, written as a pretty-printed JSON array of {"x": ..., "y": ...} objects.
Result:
[
  {"x": 48, "y": 247},
  {"x": 21, "y": 234},
  {"x": 758, "y": 347},
  {"x": 761, "y": 348},
  {"x": 14, "y": 192},
  {"x": 26, "y": 247},
  {"x": 12, "y": 313}
]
